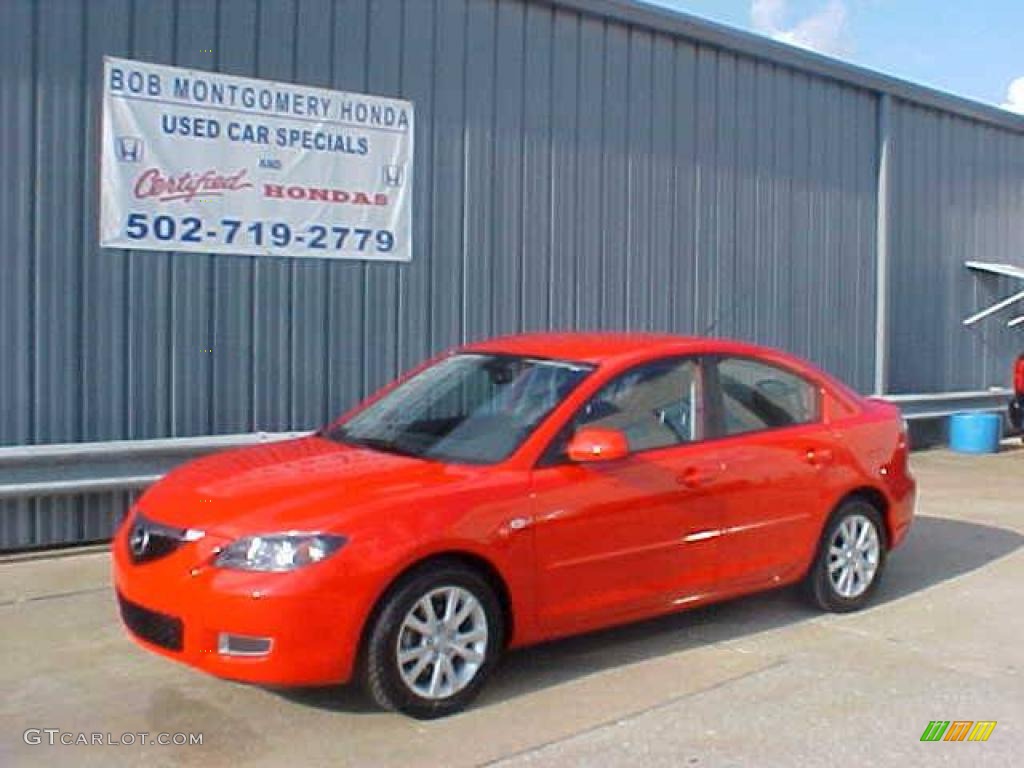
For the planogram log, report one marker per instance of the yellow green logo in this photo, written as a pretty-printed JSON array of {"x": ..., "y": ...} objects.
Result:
[{"x": 958, "y": 730}]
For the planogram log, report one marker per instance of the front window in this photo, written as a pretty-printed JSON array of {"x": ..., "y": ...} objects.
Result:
[
  {"x": 471, "y": 408},
  {"x": 655, "y": 405}
]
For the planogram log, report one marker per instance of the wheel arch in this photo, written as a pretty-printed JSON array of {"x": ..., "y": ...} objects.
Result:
[
  {"x": 463, "y": 557},
  {"x": 875, "y": 498}
]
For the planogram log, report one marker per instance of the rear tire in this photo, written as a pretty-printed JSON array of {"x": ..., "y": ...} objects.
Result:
[
  {"x": 435, "y": 641},
  {"x": 850, "y": 558}
]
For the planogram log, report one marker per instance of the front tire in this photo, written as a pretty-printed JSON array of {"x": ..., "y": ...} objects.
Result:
[
  {"x": 850, "y": 559},
  {"x": 436, "y": 639}
]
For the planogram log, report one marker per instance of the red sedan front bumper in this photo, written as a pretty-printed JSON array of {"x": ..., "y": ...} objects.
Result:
[{"x": 179, "y": 606}]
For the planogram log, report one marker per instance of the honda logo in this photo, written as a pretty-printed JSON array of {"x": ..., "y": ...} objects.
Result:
[
  {"x": 130, "y": 149},
  {"x": 394, "y": 175}
]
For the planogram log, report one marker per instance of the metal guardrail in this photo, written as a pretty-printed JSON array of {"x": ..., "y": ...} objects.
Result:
[
  {"x": 935, "y": 406},
  {"x": 73, "y": 468}
]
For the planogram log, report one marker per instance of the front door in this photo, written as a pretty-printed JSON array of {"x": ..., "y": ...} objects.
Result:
[{"x": 628, "y": 536}]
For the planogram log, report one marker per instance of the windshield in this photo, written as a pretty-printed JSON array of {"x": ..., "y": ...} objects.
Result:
[{"x": 472, "y": 408}]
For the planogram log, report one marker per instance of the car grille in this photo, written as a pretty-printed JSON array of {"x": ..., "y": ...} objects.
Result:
[{"x": 153, "y": 627}]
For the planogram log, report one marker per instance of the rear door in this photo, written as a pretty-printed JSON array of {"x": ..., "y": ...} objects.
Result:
[{"x": 769, "y": 434}]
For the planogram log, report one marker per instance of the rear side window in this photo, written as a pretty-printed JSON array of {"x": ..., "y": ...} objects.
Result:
[{"x": 757, "y": 396}]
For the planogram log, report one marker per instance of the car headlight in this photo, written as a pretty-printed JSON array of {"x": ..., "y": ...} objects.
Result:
[{"x": 278, "y": 551}]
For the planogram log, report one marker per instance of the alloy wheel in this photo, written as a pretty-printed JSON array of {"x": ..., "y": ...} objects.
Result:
[
  {"x": 853, "y": 556},
  {"x": 442, "y": 642}
]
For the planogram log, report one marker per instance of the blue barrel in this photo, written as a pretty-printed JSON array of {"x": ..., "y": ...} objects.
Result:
[{"x": 975, "y": 432}]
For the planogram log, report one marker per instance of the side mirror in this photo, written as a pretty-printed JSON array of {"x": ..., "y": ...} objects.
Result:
[{"x": 597, "y": 444}]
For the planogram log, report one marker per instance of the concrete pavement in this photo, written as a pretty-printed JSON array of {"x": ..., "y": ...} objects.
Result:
[{"x": 761, "y": 681}]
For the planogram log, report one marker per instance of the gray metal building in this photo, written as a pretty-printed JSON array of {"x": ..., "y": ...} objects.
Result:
[{"x": 579, "y": 164}]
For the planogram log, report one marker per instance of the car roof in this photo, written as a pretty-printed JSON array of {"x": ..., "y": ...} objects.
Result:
[{"x": 604, "y": 347}]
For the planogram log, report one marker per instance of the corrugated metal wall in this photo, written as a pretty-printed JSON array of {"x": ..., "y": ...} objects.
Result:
[
  {"x": 573, "y": 170},
  {"x": 957, "y": 195}
]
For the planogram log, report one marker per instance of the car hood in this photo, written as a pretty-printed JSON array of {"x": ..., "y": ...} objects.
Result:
[{"x": 307, "y": 484}]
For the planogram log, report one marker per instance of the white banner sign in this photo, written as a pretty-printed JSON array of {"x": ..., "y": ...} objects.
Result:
[{"x": 198, "y": 161}]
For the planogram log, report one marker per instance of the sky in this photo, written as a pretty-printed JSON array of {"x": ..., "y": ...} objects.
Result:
[{"x": 971, "y": 48}]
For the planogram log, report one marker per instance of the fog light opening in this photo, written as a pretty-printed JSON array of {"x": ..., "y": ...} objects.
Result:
[{"x": 243, "y": 645}]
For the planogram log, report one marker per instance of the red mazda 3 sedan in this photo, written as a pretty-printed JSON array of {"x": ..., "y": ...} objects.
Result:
[{"x": 509, "y": 492}]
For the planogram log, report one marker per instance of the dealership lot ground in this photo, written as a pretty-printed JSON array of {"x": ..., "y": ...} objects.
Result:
[{"x": 759, "y": 681}]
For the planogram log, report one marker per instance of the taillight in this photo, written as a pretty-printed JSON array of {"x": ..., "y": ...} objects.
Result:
[
  {"x": 904, "y": 434},
  {"x": 1018, "y": 376}
]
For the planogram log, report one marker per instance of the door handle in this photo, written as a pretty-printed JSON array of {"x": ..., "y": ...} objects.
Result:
[
  {"x": 697, "y": 476},
  {"x": 818, "y": 457}
]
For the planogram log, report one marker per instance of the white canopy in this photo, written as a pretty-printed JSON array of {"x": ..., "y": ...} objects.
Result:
[{"x": 1004, "y": 270}]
